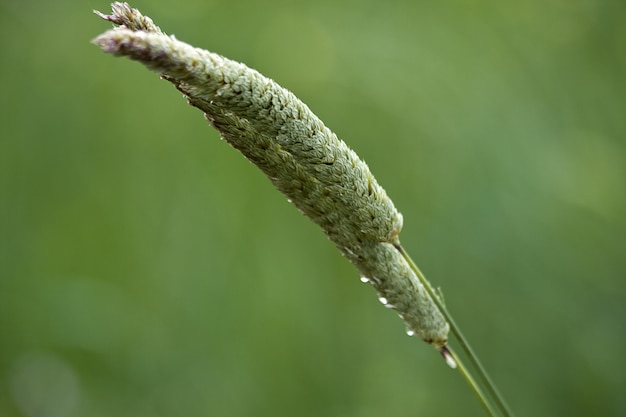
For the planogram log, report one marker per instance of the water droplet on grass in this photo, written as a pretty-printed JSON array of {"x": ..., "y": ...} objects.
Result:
[{"x": 447, "y": 355}]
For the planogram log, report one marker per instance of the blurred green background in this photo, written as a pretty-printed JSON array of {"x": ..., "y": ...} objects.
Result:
[{"x": 147, "y": 269}]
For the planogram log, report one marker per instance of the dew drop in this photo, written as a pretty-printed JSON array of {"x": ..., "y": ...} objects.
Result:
[
  {"x": 410, "y": 332},
  {"x": 451, "y": 362},
  {"x": 383, "y": 300},
  {"x": 447, "y": 355},
  {"x": 365, "y": 280}
]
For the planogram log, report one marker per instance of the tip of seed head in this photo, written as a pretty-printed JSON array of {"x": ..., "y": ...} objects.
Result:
[{"x": 106, "y": 43}]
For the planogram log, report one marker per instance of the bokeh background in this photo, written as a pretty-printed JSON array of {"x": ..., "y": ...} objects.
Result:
[{"x": 147, "y": 269}]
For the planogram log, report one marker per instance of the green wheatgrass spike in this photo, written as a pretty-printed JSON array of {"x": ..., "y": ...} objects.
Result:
[{"x": 319, "y": 174}]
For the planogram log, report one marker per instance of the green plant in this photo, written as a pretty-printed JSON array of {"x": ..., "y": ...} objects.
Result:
[{"x": 318, "y": 172}]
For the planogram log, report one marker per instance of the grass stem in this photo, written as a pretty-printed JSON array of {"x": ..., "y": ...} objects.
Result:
[{"x": 467, "y": 349}]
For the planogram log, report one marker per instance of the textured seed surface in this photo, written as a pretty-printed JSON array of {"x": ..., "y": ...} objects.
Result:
[{"x": 304, "y": 159}]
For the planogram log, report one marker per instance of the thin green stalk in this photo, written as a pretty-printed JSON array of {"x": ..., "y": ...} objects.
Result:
[
  {"x": 484, "y": 401},
  {"x": 482, "y": 373},
  {"x": 465, "y": 346}
]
